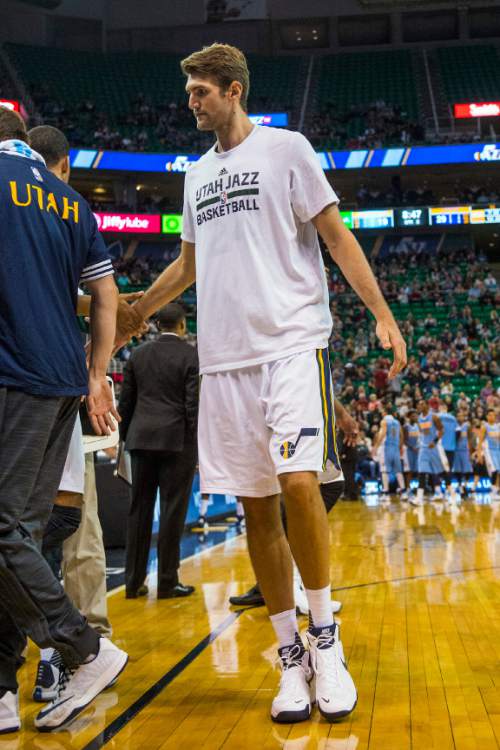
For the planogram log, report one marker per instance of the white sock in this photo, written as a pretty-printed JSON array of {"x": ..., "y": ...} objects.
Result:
[
  {"x": 385, "y": 481},
  {"x": 240, "y": 511},
  {"x": 297, "y": 580},
  {"x": 285, "y": 626},
  {"x": 401, "y": 481},
  {"x": 320, "y": 606},
  {"x": 204, "y": 506},
  {"x": 420, "y": 493}
]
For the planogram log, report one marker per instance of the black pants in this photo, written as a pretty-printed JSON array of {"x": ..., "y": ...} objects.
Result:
[
  {"x": 173, "y": 473},
  {"x": 330, "y": 494},
  {"x": 34, "y": 438}
]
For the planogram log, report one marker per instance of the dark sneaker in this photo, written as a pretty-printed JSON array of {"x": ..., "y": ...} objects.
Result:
[
  {"x": 252, "y": 598},
  {"x": 47, "y": 679}
]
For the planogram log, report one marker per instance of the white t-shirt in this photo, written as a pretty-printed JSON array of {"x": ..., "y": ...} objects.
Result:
[{"x": 260, "y": 280}]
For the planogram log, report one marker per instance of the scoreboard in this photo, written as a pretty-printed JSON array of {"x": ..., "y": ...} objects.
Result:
[
  {"x": 447, "y": 215},
  {"x": 489, "y": 215},
  {"x": 410, "y": 217},
  {"x": 382, "y": 218},
  {"x": 425, "y": 216},
  {"x": 369, "y": 219}
]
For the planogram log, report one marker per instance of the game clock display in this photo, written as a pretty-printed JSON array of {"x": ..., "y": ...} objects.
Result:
[{"x": 410, "y": 217}]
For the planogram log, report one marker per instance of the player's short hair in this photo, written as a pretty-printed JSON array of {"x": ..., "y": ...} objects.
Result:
[
  {"x": 223, "y": 63},
  {"x": 170, "y": 316},
  {"x": 490, "y": 411},
  {"x": 12, "y": 126},
  {"x": 49, "y": 142}
]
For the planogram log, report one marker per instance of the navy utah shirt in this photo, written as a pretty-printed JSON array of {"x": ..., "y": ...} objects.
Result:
[{"x": 49, "y": 242}]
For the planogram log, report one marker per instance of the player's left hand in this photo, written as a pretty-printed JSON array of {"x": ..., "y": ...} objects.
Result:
[
  {"x": 349, "y": 427},
  {"x": 100, "y": 407},
  {"x": 390, "y": 337}
]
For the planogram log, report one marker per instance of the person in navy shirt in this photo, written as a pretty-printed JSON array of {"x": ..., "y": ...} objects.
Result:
[{"x": 49, "y": 243}]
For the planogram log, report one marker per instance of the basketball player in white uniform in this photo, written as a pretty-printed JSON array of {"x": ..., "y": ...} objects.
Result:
[{"x": 253, "y": 205}]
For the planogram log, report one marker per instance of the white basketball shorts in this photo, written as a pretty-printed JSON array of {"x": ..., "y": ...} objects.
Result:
[
  {"x": 258, "y": 422},
  {"x": 73, "y": 477}
]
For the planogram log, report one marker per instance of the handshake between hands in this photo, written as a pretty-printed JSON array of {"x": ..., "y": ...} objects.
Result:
[{"x": 129, "y": 321}]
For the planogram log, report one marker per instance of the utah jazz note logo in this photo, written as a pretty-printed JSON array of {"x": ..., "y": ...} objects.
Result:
[{"x": 287, "y": 449}]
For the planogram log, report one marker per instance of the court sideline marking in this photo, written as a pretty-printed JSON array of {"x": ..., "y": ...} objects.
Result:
[{"x": 126, "y": 716}]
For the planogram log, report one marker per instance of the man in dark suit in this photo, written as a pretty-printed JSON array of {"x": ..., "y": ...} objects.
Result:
[{"x": 159, "y": 410}]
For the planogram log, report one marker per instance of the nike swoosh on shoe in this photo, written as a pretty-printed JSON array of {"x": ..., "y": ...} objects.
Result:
[{"x": 51, "y": 708}]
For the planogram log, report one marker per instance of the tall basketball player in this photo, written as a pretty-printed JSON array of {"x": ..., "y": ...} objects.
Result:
[{"x": 253, "y": 205}]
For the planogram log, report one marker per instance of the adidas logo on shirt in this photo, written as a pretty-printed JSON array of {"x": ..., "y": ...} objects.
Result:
[{"x": 223, "y": 171}]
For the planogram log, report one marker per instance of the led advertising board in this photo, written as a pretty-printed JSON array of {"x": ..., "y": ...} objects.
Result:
[
  {"x": 482, "y": 109},
  {"x": 347, "y": 218},
  {"x": 383, "y": 218},
  {"x": 171, "y": 223},
  {"x": 10, "y": 104},
  {"x": 136, "y": 223},
  {"x": 489, "y": 215},
  {"x": 415, "y": 156},
  {"x": 273, "y": 120}
]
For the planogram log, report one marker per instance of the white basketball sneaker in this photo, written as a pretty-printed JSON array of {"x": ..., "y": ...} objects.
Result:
[
  {"x": 293, "y": 702},
  {"x": 301, "y": 603},
  {"x": 9, "y": 713},
  {"x": 334, "y": 689},
  {"x": 417, "y": 499},
  {"x": 78, "y": 687}
]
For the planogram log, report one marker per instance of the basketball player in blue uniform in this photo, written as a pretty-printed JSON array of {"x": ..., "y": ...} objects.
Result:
[
  {"x": 462, "y": 466},
  {"x": 488, "y": 450},
  {"x": 448, "y": 445},
  {"x": 411, "y": 439},
  {"x": 388, "y": 450},
  {"x": 429, "y": 460}
]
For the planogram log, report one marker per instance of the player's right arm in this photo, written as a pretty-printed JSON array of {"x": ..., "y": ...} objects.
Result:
[
  {"x": 348, "y": 255},
  {"x": 379, "y": 437},
  {"x": 406, "y": 436},
  {"x": 177, "y": 277},
  {"x": 480, "y": 443},
  {"x": 439, "y": 427},
  {"x": 401, "y": 440},
  {"x": 470, "y": 440}
]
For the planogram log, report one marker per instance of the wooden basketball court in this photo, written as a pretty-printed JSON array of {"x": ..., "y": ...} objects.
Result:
[{"x": 420, "y": 627}]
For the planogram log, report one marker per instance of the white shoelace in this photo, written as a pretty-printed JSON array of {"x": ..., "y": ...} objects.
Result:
[
  {"x": 327, "y": 659},
  {"x": 65, "y": 676}
]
